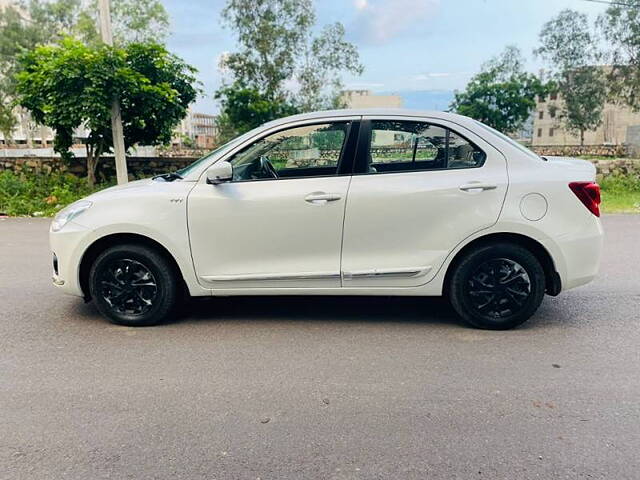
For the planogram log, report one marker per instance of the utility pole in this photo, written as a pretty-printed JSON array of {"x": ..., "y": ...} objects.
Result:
[{"x": 116, "y": 115}]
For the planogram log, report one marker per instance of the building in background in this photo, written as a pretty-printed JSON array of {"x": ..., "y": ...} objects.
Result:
[
  {"x": 196, "y": 130},
  {"x": 204, "y": 130},
  {"x": 367, "y": 99},
  {"x": 29, "y": 134},
  {"x": 620, "y": 126}
]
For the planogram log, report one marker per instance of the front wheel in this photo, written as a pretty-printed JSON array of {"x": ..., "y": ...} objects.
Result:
[
  {"x": 497, "y": 287},
  {"x": 133, "y": 285}
]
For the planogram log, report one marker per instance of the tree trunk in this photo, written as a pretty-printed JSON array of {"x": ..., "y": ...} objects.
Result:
[
  {"x": 93, "y": 157},
  {"x": 582, "y": 138}
]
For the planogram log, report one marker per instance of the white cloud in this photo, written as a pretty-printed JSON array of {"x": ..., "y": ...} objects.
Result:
[
  {"x": 363, "y": 86},
  {"x": 380, "y": 20},
  {"x": 360, "y": 4},
  {"x": 428, "y": 76}
]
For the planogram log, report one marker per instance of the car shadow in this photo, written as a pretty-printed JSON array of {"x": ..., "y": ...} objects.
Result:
[
  {"x": 340, "y": 309},
  {"x": 319, "y": 308}
]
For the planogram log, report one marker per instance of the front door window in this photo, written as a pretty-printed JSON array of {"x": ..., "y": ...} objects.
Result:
[{"x": 307, "y": 151}]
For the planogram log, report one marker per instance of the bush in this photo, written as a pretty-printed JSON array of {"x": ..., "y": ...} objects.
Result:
[
  {"x": 621, "y": 183},
  {"x": 40, "y": 194},
  {"x": 621, "y": 194}
]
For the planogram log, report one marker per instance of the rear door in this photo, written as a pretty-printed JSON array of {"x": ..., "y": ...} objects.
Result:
[{"x": 421, "y": 187}]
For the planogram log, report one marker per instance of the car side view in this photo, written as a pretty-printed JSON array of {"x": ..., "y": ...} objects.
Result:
[{"x": 347, "y": 202}]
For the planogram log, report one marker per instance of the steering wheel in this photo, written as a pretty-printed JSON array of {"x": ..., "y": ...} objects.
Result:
[{"x": 267, "y": 167}]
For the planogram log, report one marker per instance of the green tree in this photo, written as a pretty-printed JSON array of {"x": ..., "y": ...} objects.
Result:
[
  {"x": 245, "y": 108},
  {"x": 72, "y": 85},
  {"x": 325, "y": 57},
  {"x": 502, "y": 95},
  {"x": 133, "y": 21},
  {"x": 621, "y": 28},
  {"x": 38, "y": 22},
  {"x": 277, "y": 46},
  {"x": 21, "y": 30},
  {"x": 568, "y": 44},
  {"x": 270, "y": 34}
]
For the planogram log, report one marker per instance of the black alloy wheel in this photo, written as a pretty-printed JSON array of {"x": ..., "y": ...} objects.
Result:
[
  {"x": 497, "y": 286},
  {"x": 134, "y": 285},
  {"x": 128, "y": 287}
]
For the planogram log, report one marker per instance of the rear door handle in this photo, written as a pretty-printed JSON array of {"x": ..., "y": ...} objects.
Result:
[
  {"x": 477, "y": 187},
  {"x": 320, "y": 198}
]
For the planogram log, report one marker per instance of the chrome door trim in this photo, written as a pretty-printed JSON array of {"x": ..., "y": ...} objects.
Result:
[
  {"x": 387, "y": 273},
  {"x": 272, "y": 277}
]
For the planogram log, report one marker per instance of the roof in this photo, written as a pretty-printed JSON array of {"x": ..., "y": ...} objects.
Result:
[{"x": 351, "y": 112}]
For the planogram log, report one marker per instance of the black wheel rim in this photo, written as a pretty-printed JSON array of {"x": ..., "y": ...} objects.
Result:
[
  {"x": 128, "y": 287},
  {"x": 499, "y": 288}
]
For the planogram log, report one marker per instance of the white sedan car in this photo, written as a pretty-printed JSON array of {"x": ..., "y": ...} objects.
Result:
[{"x": 349, "y": 202}]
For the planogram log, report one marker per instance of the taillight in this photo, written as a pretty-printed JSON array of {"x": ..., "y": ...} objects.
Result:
[{"x": 589, "y": 195}]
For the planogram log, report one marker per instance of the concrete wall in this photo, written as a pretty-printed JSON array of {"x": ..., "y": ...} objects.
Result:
[
  {"x": 138, "y": 167},
  {"x": 613, "y": 151}
]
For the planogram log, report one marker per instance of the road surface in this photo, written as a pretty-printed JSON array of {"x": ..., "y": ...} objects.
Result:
[{"x": 318, "y": 388}]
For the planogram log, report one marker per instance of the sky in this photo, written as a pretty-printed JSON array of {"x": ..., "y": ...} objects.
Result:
[{"x": 422, "y": 50}]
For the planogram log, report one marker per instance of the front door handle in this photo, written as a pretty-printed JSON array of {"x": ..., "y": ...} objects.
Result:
[
  {"x": 321, "y": 198},
  {"x": 477, "y": 187}
]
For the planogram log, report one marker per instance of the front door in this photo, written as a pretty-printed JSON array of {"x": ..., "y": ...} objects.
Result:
[
  {"x": 279, "y": 223},
  {"x": 419, "y": 190}
]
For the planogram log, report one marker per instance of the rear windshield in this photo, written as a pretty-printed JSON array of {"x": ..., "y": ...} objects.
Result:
[{"x": 511, "y": 141}]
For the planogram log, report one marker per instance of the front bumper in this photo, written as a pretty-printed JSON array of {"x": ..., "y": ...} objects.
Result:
[{"x": 67, "y": 247}]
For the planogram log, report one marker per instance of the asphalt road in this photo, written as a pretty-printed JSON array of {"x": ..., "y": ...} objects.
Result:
[{"x": 327, "y": 388}]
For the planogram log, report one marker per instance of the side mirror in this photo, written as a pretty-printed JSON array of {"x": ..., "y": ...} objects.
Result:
[{"x": 219, "y": 172}]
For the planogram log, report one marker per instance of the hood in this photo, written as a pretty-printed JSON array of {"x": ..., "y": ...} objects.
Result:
[{"x": 127, "y": 188}]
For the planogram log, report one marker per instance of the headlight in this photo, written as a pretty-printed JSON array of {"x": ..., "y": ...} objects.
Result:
[{"x": 67, "y": 214}]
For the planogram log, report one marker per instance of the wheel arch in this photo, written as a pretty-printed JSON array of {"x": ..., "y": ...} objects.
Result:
[
  {"x": 553, "y": 283},
  {"x": 102, "y": 243}
]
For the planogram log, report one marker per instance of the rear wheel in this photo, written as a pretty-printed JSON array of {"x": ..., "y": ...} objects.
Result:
[
  {"x": 133, "y": 285},
  {"x": 497, "y": 287}
]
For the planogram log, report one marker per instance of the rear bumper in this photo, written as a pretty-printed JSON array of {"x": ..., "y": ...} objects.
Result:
[
  {"x": 581, "y": 251},
  {"x": 67, "y": 247}
]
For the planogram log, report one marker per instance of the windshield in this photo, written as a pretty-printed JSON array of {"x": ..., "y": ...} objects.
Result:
[
  {"x": 511, "y": 141},
  {"x": 209, "y": 156}
]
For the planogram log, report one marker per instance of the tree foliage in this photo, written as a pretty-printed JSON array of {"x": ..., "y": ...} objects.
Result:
[
  {"x": 502, "y": 95},
  {"x": 133, "y": 21},
  {"x": 568, "y": 44},
  {"x": 245, "y": 108},
  {"x": 620, "y": 26},
  {"x": 276, "y": 49},
  {"x": 325, "y": 56},
  {"x": 41, "y": 22},
  {"x": 72, "y": 85}
]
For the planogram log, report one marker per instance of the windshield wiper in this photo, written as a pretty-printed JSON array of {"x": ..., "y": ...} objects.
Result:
[{"x": 169, "y": 177}]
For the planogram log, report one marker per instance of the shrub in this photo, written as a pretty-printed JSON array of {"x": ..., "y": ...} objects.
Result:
[{"x": 40, "y": 194}]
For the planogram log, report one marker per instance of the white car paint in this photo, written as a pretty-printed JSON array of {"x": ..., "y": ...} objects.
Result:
[{"x": 391, "y": 234}]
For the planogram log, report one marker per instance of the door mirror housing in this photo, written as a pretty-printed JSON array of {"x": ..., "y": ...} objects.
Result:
[{"x": 219, "y": 172}]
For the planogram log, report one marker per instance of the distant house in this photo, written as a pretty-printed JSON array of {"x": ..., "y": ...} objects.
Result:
[
  {"x": 200, "y": 128},
  {"x": 29, "y": 134},
  {"x": 620, "y": 126},
  {"x": 368, "y": 99}
]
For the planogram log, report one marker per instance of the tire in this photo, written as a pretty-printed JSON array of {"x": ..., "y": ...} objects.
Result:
[
  {"x": 497, "y": 287},
  {"x": 133, "y": 285}
]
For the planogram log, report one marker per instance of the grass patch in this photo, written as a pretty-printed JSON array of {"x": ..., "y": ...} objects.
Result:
[
  {"x": 620, "y": 194},
  {"x": 39, "y": 194}
]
